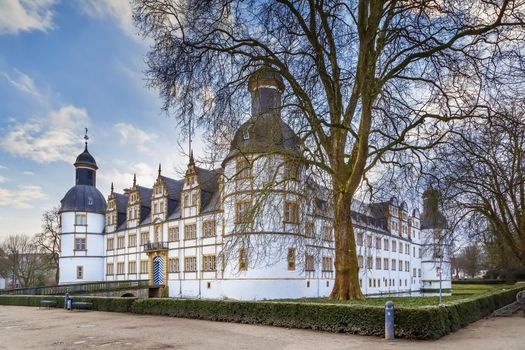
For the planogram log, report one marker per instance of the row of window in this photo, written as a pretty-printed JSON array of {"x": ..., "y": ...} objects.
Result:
[
  {"x": 387, "y": 245},
  {"x": 384, "y": 264}
]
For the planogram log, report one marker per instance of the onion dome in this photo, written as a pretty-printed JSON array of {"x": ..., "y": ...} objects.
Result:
[
  {"x": 265, "y": 132},
  {"x": 85, "y": 159},
  {"x": 83, "y": 198}
]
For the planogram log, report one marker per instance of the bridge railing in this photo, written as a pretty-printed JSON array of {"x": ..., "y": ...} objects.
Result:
[{"x": 78, "y": 288}]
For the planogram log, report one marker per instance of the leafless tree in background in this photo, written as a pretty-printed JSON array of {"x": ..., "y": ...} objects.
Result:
[
  {"x": 24, "y": 261},
  {"x": 366, "y": 80},
  {"x": 49, "y": 239}
]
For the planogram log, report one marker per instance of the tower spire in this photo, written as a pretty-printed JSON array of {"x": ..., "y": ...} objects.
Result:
[
  {"x": 86, "y": 137},
  {"x": 112, "y": 188},
  {"x": 134, "y": 180},
  {"x": 160, "y": 169}
]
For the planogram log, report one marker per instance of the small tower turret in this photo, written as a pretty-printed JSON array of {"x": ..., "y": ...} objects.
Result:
[{"x": 82, "y": 213}]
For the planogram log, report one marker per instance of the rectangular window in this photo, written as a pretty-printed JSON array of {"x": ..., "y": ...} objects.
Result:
[
  {"x": 121, "y": 242},
  {"x": 190, "y": 231},
  {"x": 418, "y": 272},
  {"x": 378, "y": 242},
  {"x": 144, "y": 237},
  {"x": 243, "y": 259},
  {"x": 109, "y": 269},
  {"x": 120, "y": 268},
  {"x": 407, "y": 266},
  {"x": 242, "y": 212},
  {"x": 360, "y": 238},
  {"x": 109, "y": 243},
  {"x": 394, "y": 264},
  {"x": 309, "y": 229},
  {"x": 378, "y": 263},
  {"x": 244, "y": 169},
  {"x": 414, "y": 252},
  {"x": 407, "y": 249},
  {"x": 80, "y": 272},
  {"x": 369, "y": 262},
  {"x": 208, "y": 229},
  {"x": 209, "y": 263},
  {"x": 291, "y": 171},
  {"x": 401, "y": 247},
  {"x": 190, "y": 264},
  {"x": 385, "y": 264},
  {"x": 144, "y": 265},
  {"x": 328, "y": 265},
  {"x": 81, "y": 219},
  {"x": 394, "y": 246},
  {"x": 360, "y": 261},
  {"x": 309, "y": 262},
  {"x": 132, "y": 240},
  {"x": 291, "y": 212},
  {"x": 173, "y": 234},
  {"x": 80, "y": 244},
  {"x": 291, "y": 259},
  {"x": 327, "y": 233},
  {"x": 369, "y": 241},
  {"x": 400, "y": 265},
  {"x": 132, "y": 267},
  {"x": 414, "y": 272},
  {"x": 173, "y": 265},
  {"x": 386, "y": 244}
]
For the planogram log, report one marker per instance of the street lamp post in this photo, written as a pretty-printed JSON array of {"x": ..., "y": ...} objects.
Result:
[{"x": 440, "y": 273}]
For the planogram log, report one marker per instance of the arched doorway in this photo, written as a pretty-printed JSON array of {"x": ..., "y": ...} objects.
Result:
[{"x": 158, "y": 271}]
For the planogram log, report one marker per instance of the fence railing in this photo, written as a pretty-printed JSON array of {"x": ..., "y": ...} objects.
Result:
[{"x": 78, "y": 288}]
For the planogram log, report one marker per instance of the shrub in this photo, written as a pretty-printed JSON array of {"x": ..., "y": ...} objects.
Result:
[
  {"x": 424, "y": 322},
  {"x": 99, "y": 303}
]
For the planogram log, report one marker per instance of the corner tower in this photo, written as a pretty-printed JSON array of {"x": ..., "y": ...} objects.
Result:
[
  {"x": 82, "y": 215},
  {"x": 435, "y": 244}
]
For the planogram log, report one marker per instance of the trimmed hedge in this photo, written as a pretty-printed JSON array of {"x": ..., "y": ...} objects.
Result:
[
  {"x": 427, "y": 322},
  {"x": 479, "y": 281},
  {"x": 99, "y": 303}
]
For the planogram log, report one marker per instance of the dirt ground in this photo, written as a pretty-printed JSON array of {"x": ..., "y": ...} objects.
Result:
[{"x": 33, "y": 328}]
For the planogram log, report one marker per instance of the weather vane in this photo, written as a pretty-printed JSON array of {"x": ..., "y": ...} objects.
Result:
[{"x": 86, "y": 137}]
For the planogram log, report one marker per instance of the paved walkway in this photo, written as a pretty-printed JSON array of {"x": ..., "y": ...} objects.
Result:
[{"x": 33, "y": 328}]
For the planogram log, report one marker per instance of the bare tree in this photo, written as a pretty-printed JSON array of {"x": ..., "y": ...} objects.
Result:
[
  {"x": 483, "y": 174},
  {"x": 364, "y": 79},
  {"x": 49, "y": 239},
  {"x": 24, "y": 261}
]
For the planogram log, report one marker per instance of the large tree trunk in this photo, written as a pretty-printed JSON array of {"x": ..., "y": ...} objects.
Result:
[{"x": 346, "y": 285}]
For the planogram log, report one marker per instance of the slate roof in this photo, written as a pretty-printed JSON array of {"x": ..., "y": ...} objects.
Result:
[
  {"x": 83, "y": 198},
  {"x": 85, "y": 158}
]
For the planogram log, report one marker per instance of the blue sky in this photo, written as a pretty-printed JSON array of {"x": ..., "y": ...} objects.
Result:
[{"x": 66, "y": 65}]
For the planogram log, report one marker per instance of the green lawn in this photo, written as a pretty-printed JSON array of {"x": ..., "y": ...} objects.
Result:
[{"x": 459, "y": 291}]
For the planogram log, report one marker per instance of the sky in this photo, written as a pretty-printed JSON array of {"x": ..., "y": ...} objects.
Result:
[{"x": 66, "y": 65}]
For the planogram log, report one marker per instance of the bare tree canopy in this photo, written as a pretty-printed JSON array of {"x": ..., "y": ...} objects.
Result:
[
  {"x": 483, "y": 175},
  {"x": 364, "y": 79},
  {"x": 49, "y": 239}
]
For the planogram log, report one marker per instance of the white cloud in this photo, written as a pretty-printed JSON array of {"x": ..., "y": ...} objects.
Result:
[
  {"x": 28, "y": 173},
  {"x": 22, "y": 82},
  {"x": 119, "y": 11},
  {"x": 25, "y": 15},
  {"x": 2, "y": 167},
  {"x": 22, "y": 197},
  {"x": 3, "y": 179},
  {"x": 130, "y": 134},
  {"x": 48, "y": 139}
]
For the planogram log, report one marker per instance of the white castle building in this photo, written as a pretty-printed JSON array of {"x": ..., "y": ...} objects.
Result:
[{"x": 256, "y": 228}]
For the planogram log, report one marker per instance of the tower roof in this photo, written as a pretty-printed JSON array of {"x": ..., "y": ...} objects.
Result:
[
  {"x": 265, "y": 77},
  {"x": 86, "y": 159},
  {"x": 83, "y": 198}
]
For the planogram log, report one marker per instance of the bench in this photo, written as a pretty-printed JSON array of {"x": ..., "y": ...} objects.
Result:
[
  {"x": 84, "y": 305},
  {"x": 48, "y": 303},
  {"x": 520, "y": 298}
]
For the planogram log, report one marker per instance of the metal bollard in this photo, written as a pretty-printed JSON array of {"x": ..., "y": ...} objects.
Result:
[{"x": 389, "y": 320}]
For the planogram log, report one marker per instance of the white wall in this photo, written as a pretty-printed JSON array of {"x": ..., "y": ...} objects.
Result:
[{"x": 2, "y": 283}]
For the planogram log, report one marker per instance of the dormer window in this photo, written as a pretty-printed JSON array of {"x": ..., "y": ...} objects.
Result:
[{"x": 245, "y": 135}]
